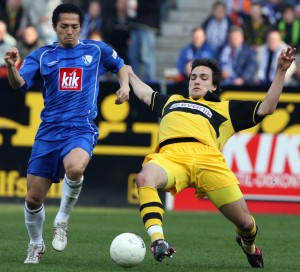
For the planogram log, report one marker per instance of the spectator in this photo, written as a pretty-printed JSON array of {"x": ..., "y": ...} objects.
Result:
[
  {"x": 289, "y": 27},
  {"x": 198, "y": 48},
  {"x": 267, "y": 55},
  {"x": 256, "y": 26},
  {"x": 237, "y": 60},
  {"x": 39, "y": 14},
  {"x": 237, "y": 10},
  {"x": 144, "y": 26},
  {"x": 116, "y": 29},
  {"x": 217, "y": 26},
  {"x": 92, "y": 20},
  {"x": 29, "y": 41},
  {"x": 297, "y": 10},
  {"x": 79, "y": 3},
  {"x": 273, "y": 10},
  {"x": 11, "y": 14},
  {"x": 6, "y": 41}
]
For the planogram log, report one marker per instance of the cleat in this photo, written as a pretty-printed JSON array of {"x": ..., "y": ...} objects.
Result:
[
  {"x": 161, "y": 249},
  {"x": 60, "y": 236},
  {"x": 255, "y": 259},
  {"x": 35, "y": 253}
]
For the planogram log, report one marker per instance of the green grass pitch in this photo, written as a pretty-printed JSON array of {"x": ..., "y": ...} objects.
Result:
[{"x": 203, "y": 241}]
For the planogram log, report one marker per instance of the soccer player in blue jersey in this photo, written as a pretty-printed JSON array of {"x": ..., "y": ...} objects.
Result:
[
  {"x": 193, "y": 129},
  {"x": 68, "y": 71}
]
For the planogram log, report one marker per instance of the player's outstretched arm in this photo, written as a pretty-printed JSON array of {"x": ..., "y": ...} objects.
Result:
[
  {"x": 123, "y": 92},
  {"x": 270, "y": 101},
  {"x": 14, "y": 78},
  {"x": 140, "y": 89}
]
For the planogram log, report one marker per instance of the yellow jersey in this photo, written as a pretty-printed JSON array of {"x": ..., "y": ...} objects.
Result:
[{"x": 209, "y": 122}]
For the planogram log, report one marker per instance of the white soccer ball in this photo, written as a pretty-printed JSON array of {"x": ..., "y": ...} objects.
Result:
[{"x": 128, "y": 249}]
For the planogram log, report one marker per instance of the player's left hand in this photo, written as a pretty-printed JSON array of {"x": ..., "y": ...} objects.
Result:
[
  {"x": 122, "y": 95},
  {"x": 286, "y": 58}
]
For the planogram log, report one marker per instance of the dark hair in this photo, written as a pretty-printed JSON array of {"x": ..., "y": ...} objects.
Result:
[
  {"x": 236, "y": 28},
  {"x": 219, "y": 3},
  {"x": 287, "y": 7},
  {"x": 196, "y": 29},
  {"x": 216, "y": 71},
  {"x": 66, "y": 8}
]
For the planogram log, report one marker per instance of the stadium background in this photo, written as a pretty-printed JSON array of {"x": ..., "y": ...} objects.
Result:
[{"x": 266, "y": 159}]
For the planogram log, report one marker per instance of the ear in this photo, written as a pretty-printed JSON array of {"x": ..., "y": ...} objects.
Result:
[{"x": 214, "y": 88}]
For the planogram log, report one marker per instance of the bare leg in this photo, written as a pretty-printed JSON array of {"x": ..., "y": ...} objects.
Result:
[{"x": 75, "y": 163}]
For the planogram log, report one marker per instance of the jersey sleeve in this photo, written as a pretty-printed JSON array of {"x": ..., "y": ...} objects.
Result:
[
  {"x": 158, "y": 102},
  {"x": 111, "y": 60},
  {"x": 243, "y": 114},
  {"x": 30, "y": 71}
]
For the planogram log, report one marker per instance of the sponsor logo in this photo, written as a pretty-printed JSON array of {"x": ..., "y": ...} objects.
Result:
[
  {"x": 70, "y": 79},
  {"x": 87, "y": 59},
  {"x": 52, "y": 63},
  {"x": 192, "y": 106},
  {"x": 114, "y": 54}
]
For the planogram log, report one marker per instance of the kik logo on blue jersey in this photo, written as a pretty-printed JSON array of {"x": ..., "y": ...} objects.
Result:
[{"x": 70, "y": 79}]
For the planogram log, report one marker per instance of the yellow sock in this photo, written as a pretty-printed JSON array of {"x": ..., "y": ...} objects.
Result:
[
  {"x": 151, "y": 210},
  {"x": 248, "y": 238}
]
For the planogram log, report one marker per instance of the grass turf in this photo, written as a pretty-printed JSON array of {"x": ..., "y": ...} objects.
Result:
[{"x": 203, "y": 241}]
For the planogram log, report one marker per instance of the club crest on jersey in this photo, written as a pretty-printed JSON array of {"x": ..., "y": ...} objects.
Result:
[
  {"x": 87, "y": 59},
  {"x": 70, "y": 79}
]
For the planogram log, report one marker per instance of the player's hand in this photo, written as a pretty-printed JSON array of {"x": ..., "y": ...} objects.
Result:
[
  {"x": 11, "y": 56},
  {"x": 122, "y": 95},
  {"x": 286, "y": 58}
]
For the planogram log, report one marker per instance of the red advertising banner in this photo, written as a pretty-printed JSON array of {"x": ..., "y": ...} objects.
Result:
[{"x": 267, "y": 166}]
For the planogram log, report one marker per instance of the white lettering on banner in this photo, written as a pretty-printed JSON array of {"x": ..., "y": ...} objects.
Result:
[
  {"x": 279, "y": 181},
  {"x": 245, "y": 179},
  {"x": 236, "y": 148},
  {"x": 285, "y": 149},
  {"x": 263, "y": 151}
]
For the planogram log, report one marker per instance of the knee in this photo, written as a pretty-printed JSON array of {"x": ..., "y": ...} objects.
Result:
[
  {"x": 33, "y": 202},
  {"x": 141, "y": 180},
  {"x": 74, "y": 172},
  {"x": 246, "y": 224}
]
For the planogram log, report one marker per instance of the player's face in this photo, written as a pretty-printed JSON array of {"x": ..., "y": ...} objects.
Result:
[
  {"x": 67, "y": 29},
  {"x": 200, "y": 82}
]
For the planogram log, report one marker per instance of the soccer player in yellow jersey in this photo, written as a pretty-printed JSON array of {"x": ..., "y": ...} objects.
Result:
[{"x": 192, "y": 132}]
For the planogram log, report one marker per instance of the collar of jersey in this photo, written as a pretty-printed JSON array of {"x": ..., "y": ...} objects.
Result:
[{"x": 211, "y": 96}]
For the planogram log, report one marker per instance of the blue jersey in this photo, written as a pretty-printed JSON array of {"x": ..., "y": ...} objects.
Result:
[{"x": 69, "y": 78}]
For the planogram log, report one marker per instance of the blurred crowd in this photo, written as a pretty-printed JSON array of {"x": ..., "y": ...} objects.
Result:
[
  {"x": 129, "y": 26},
  {"x": 244, "y": 36}
]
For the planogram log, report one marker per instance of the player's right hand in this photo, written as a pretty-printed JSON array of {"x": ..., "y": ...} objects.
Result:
[
  {"x": 286, "y": 58},
  {"x": 11, "y": 56}
]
